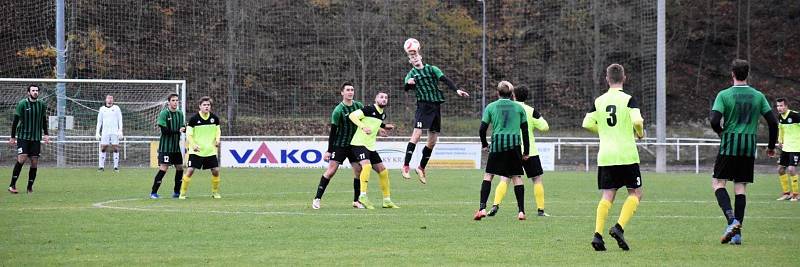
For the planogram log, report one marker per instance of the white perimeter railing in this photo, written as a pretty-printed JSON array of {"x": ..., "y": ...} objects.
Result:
[{"x": 559, "y": 142}]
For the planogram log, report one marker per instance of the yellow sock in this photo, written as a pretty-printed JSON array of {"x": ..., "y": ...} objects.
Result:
[
  {"x": 538, "y": 192},
  {"x": 185, "y": 184},
  {"x": 602, "y": 213},
  {"x": 628, "y": 209},
  {"x": 784, "y": 178},
  {"x": 795, "y": 186},
  {"x": 214, "y": 184},
  {"x": 364, "y": 176},
  {"x": 384, "y": 180},
  {"x": 500, "y": 192}
]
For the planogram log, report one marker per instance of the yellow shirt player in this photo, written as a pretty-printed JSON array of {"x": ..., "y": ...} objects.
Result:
[
  {"x": 616, "y": 118},
  {"x": 202, "y": 141},
  {"x": 789, "y": 143},
  {"x": 532, "y": 165},
  {"x": 369, "y": 121}
]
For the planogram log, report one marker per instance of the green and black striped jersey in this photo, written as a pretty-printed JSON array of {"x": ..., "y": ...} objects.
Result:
[
  {"x": 32, "y": 120},
  {"x": 741, "y": 106},
  {"x": 344, "y": 127},
  {"x": 172, "y": 121},
  {"x": 505, "y": 116},
  {"x": 426, "y": 83}
]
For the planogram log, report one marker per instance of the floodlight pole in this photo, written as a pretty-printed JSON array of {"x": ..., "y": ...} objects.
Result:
[
  {"x": 483, "y": 59},
  {"x": 661, "y": 90},
  {"x": 61, "y": 90}
]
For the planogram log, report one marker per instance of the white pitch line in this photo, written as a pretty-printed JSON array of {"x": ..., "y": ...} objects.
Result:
[{"x": 106, "y": 205}]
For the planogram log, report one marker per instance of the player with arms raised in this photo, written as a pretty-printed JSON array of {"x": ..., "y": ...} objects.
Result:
[
  {"x": 424, "y": 80},
  {"x": 109, "y": 132}
]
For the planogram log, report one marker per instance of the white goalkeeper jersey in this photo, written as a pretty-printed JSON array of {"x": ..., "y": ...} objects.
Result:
[{"x": 109, "y": 120}]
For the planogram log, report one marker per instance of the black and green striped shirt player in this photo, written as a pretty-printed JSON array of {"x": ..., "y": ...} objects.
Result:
[
  {"x": 507, "y": 119},
  {"x": 342, "y": 129},
  {"x": 170, "y": 123},
  {"x": 30, "y": 120},
  {"x": 426, "y": 83},
  {"x": 741, "y": 106}
]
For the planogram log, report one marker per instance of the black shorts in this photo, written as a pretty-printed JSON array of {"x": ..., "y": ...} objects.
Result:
[
  {"x": 789, "y": 159},
  {"x": 29, "y": 147},
  {"x": 170, "y": 158},
  {"x": 339, "y": 154},
  {"x": 532, "y": 166},
  {"x": 362, "y": 153},
  {"x": 428, "y": 116},
  {"x": 202, "y": 163},
  {"x": 506, "y": 163},
  {"x": 617, "y": 176},
  {"x": 738, "y": 169}
]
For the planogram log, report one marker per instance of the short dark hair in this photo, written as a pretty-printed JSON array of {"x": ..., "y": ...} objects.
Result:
[
  {"x": 345, "y": 84},
  {"x": 740, "y": 69},
  {"x": 170, "y": 96},
  {"x": 615, "y": 73},
  {"x": 32, "y": 86},
  {"x": 521, "y": 93},
  {"x": 505, "y": 89},
  {"x": 206, "y": 98},
  {"x": 780, "y": 100}
]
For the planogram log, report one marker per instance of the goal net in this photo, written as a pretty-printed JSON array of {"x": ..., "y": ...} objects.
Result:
[{"x": 139, "y": 100}]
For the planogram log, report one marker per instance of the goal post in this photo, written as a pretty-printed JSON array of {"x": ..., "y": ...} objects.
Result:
[{"x": 139, "y": 100}]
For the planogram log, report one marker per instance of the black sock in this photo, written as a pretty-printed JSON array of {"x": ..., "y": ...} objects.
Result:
[
  {"x": 426, "y": 155},
  {"x": 323, "y": 183},
  {"x": 178, "y": 181},
  {"x": 409, "y": 153},
  {"x": 157, "y": 181},
  {"x": 724, "y": 202},
  {"x": 356, "y": 188},
  {"x": 486, "y": 188},
  {"x": 741, "y": 202},
  {"x": 15, "y": 174},
  {"x": 31, "y": 177},
  {"x": 519, "y": 192}
]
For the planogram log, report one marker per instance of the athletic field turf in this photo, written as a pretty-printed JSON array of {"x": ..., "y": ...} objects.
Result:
[{"x": 81, "y": 217}]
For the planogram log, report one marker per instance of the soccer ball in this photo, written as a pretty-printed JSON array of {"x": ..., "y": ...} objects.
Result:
[{"x": 411, "y": 45}]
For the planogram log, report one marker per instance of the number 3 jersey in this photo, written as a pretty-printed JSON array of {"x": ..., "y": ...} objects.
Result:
[
  {"x": 741, "y": 106},
  {"x": 614, "y": 115}
]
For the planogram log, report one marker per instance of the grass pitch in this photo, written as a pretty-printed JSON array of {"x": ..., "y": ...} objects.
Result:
[{"x": 81, "y": 217}]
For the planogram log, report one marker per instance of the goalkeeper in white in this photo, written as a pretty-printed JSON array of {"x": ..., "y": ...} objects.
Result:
[{"x": 109, "y": 131}]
